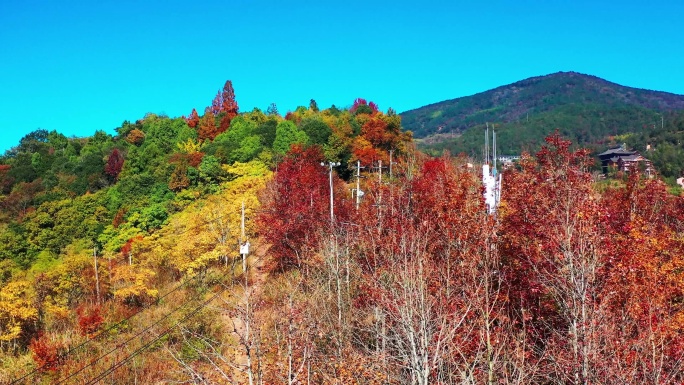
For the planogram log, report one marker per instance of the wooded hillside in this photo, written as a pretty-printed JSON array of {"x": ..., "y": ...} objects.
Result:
[{"x": 119, "y": 259}]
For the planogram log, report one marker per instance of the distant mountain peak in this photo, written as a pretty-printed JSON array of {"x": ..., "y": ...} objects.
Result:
[{"x": 531, "y": 97}]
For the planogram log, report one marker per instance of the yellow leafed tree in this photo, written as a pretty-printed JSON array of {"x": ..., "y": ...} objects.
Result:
[
  {"x": 16, "y": 309},
  {"x": 209, "y": 232}
]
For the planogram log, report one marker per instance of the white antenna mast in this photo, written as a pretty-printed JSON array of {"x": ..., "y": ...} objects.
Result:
[
  {"x": 494, "y": 150},
  {"x": 486, "y": 160},
  {"x": 492, "y": 184}
]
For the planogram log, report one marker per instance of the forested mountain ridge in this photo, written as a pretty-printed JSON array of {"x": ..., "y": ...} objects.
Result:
[{"x": 519, "y": 100}]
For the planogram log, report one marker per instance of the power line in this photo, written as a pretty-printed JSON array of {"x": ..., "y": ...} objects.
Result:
[
  {"x": 105, "y": 331},
  {"x": 118, "y": 346},
  {"x": 140, "y": 310},
  {"x": 147, "y": 345}
]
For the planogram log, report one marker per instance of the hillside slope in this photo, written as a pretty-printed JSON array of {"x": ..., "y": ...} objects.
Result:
[{"x": 531, "y": 97}]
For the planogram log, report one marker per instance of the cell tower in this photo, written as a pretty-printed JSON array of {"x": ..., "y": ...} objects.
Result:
[{"x": 491, "y": 179}]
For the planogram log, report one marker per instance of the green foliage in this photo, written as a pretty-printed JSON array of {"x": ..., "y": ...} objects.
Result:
[
  {"x": 267, "y": 132},
  {"x": 249, "y": 148},
  {"x": 239, "y": 143},
  {"x": 54, "y": 224},
  {"x": 288, "y": 134},
  {"x": 14, "y": 245},
  {"x": 45, "y": 262},
  {"x": 317, "y": 131},
  {"x": 112, "y": 239},
  {"x": 363, "y": 109},
  {"x": 149, "y": 218},
  {"x": 135, "y": 186},
  {"x": 210, "y": 170},
  {"x": 665, "y": 140}
]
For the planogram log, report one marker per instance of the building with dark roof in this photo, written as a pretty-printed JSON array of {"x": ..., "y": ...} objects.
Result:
[{"x": 621, "y": 159}]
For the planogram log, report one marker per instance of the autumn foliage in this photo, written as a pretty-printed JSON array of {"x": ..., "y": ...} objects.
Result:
[
  {"x": 114, "y": 165},
  {"x": 557, "y": 287},
  {"x": 225, "y": 106},
  {"x": 298, "y": 202},
  {"x": 581, "y": 260},
  {"x": 573, "y": 280},
  {"x": 207, "y": 128},
  {"x": 135, "y": 137},
  {"x": 47, "y": 354},
  {"x": 193, "y": 119},
  {"x": 89, "y": 319}
]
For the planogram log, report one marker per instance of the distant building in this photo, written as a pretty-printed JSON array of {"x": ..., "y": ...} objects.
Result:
[
  {"x": 507, "y": 161},
  {"x": 621, "y": 159}
]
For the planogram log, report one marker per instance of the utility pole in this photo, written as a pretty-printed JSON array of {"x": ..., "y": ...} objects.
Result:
[
  {"x": 487, "y": 145},
  {"x": 358, "y": 191},
  {"x": 330, "y": 166},
  {"x": 242, "y": 223},
  {"x": 390, "y": 165},
  {"x": 244, "y": 247},
  {"x": 494, "y": 150},
  {"x": 97, "y": 278},
  {"x": 380, "y": 172}
]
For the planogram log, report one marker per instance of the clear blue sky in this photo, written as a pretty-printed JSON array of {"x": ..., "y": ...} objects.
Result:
[{"x": 81, "y": 66}]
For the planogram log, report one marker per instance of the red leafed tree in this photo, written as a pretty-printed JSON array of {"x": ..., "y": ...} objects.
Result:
[
  {"x": 193, "y": 119},
  {"x": 591, "y": 274},
  {"x": 228, "y": 103},
  {"x": 225, "y": 106},
  {"x": 357, "y": 103},
  {"x": 5, "y": 180},
  {"x": 373, "y": 106},
  {"x": 552, "y": 229},
  {"x": 179, "y": 177},
  {"x": 89, "y": 319},
  {"x": 119, "y": 217},
  {"x": 114, "y": 164},
  {"x": 224, "y": 123},
  {"x": 195, "y": 158},
  {"x": 48, "y": 355},
  {"x": 216, "y": 104},
  {"x": 20, "y": 199},
  {"x": 432, "y": 277},
  {"x": 296, "y": 206},
  {"x": 128, "y": 246}
]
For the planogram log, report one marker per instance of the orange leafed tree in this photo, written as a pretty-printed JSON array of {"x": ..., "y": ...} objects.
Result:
[
  {"x": 643, "y": 284},
  {"x": 224, "y": 106},
  {"x": 207, "y": 126},
  {"x": 193, "y": 119}
]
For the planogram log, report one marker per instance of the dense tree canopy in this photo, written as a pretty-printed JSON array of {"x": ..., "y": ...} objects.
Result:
[{"x": 120, "y": 257}]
